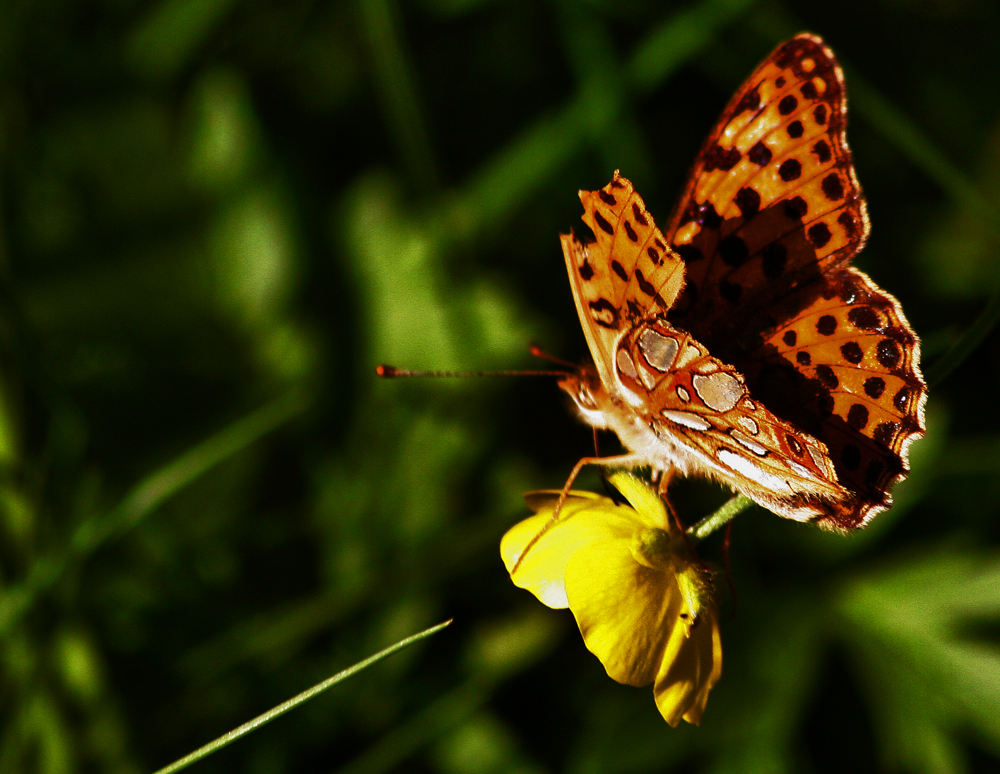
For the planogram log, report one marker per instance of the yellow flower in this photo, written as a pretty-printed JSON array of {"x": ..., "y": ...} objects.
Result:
[{"x": 640, "y": 599}]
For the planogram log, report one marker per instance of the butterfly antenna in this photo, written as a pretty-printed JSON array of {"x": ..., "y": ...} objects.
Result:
[
  {"x": 391, "y": 372},
  {"x": 537, "y": 351}
]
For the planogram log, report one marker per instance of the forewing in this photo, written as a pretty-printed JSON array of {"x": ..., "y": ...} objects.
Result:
[
  {"x": 625, "y": 275},
  {"x": 772, "y": 201}
]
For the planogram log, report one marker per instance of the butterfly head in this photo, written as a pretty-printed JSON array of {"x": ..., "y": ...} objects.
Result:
[{"x": 585, "y": 388}]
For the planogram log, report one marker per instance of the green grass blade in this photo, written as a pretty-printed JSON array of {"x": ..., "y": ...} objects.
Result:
[
  {"x": 397, "y": 91},
  {"x": 515, "y": 172},
  {"x": 668, "y": 47},
  {"x": 171, "y": 34},
  {"x": 893, "y": 124},
  {"x": 295, "y": 701},
  {"x": 149, "y": 493},
  {"x": 144, "y": 498},
  {"x": 967, "y": 343}
]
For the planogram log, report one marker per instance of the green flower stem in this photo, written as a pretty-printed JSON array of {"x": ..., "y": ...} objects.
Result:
[
  {"x": 720, "y": 518},
  {"x": 282, "y": 708}
]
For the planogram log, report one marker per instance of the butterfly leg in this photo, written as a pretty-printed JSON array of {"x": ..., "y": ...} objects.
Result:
[
  {"x": 663, "y": 479},
  {"x": 608, "y": 489},
  {"x": 666, "y": 476},
  {"x": 619, "y": 461}
]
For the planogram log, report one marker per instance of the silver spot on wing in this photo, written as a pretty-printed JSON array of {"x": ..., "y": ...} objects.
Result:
[
  {"x": 748, "y": 443},
  {"x": 802, "y": 470},
  {"x": 720, "y": 391},
  {"x": 659, "y": 350},
  {"x": 625, "y": 364},
  {"x": 817, "y": 457},
  {"x": 742, "y": 465},
  {"x": 687, "y": 419}
]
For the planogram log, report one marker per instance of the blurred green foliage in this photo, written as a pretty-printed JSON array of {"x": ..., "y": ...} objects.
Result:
[{"x": 218, "y": 216}]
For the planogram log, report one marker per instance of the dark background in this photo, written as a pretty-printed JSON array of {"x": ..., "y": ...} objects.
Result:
[{"x": 216, "y": 217}]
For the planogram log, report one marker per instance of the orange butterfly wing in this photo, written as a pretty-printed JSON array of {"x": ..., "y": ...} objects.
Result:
[
  {"x": 770, "y": 218},
  {"x": 625, "y": 275},
  {"x": 772, "y": 200},
  {"x": 772, "y": 212},
  {"x": 684, "y": 408},
  {"x": 699, "y": 402},
  {"x": 847, "y": 369}
]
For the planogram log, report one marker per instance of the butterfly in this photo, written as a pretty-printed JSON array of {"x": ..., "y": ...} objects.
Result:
[{"x": 739, "y": 344}]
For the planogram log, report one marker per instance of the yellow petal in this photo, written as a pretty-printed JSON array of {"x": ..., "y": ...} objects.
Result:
[
  {"x": 648, "y": 505},
  {"x": 547, "y": 498},
  {"x": 583, "y": 519},
  {"x": 625, "y": 610},
  {"x": 642, "y": 602},
  {"x": 692, "y": 665}
]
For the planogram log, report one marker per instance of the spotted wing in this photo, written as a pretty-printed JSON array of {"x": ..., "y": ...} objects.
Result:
[
  {"x": 772, "y": 201},
  {"x": 700, "y": 404},
  {"x": 626, "y": 274},
  {"x": 847, "y": 369}
]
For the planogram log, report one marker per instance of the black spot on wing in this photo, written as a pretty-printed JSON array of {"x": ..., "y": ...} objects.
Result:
[
  {"x": 822, "y": 151},
  {"x": 790, "y": 169},
  {"x": 874, "y": 387},
  {"x": 833, "y": 187},
  {"x": 826, "y": 325},
  {"x": 819, "y": 234},
  {"x": 602, "y": 223},
  {"x": 748, "y": 201},
  {"x": 722, "y": 158},
  {"x": 760, "y": 154}
]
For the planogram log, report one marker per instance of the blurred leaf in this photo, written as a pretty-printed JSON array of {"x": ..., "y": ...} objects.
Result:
[
  {"x": 225, "y": 141},
  {"x": 143, "y": 500},
  {"x": 165, "y": 42},
  {"x": 909, "y": 622},
  {"x": 396, "y": 87}
]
